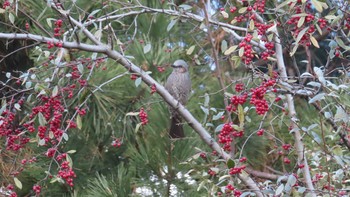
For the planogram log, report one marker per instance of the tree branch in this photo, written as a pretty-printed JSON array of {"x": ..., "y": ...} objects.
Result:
[
  {"x": 188, "y": 117},
  {"x": 299, "y": 146}
]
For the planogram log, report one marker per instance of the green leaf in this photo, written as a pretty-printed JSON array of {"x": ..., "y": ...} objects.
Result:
[
  {"x": 241, "y": 116},
  {"x": 138, "y": 81},
  {"x": 190, "y": 50},
  {"x": 317, "y": 5},
  {"x": 301, "y": 21},
  {"x": 12, "y": 18},
  {"x": 242, "y": 10},
  {"x": 132, "y": 114},
  {"x": 81, "y": 68},
  {"x": 54, "y": 91},
  {"x": 137, "y": 128},
  {"x": 17, "y": 107},
  {"x": 2, "y": 109},
  {"x": 71, "y": 151},
  {"x": 65, "y": 136},
  {"x": 42, "y": 120},
  {"x": 79, "y": 122},
  {"x": 337, "y": 150},
  {"x": 283, "y": 4},
  {"x": 318, "y": 97},
  {"x": 251, "y": 25},
  {"x": 314, "y": 41},
  {"x": 205, "y": 110},
  {"x": 241, "y": 52},
  {"x": 341, "y": 43},
  {"x": 147, "y": 48},
  {"x": 224, "y": 14},
  {"x": 301, "y": 34},
  {"x": 69, "y": 159},
  {"x": 230, "y": 163},
  {"x": 230, "y": 50},
  {"x": 340, "y": 115},
  {"x": 41, "y": 142},
  {"x": 171, "y": 24},
  {"x": 18, "y": 183},
  {"x": 218, "y": 115},
  {"x": 223, "y": 45},
  {"x": 279, "y": 190},
  {"x": 185, "y": 7},
  {"x": 218, "y": 128}
]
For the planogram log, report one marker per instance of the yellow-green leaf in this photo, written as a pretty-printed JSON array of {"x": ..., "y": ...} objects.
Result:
[
  {"x": 242, "y": 10},
  {"x": 79, "y": 122},
  {"x": 294, "y": 49},
  {"x": 301, "y": 34},
  {"x": 55, "y": 91},
  {"x": 69, "y": 159},
  {"x": 42, "y": 120},
  {"x": 314, "y": 41},
  {"x": 224, "y": 14},
  {"x": 12, "y": 18},
  {"x": 241, "y": 116},
  {"x": 230, "y": 50},
  {"x": 18, "y": 183},
  {"x": 317, "y": 5},
  {"x": 251, "y": 25},
  {"x": 318, "y": 29},
  {"x": 240, "y": 52},
  {"x": 190, "y": 50},
  {"x": 301, "y": 21},
  {"x": 2, "y": 11}
]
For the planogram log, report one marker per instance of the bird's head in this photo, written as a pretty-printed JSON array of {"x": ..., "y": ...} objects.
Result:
[{"x": 180, "y": 66}]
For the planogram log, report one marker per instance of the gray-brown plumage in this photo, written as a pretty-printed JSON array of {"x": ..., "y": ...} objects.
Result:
[{"x": 179, "y": 86}]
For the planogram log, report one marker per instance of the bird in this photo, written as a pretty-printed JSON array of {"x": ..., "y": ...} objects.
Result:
[{"x": 178, "y": 85}]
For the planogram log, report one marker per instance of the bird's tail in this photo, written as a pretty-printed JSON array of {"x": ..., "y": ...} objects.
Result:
[{"x": 176, "y": 129}]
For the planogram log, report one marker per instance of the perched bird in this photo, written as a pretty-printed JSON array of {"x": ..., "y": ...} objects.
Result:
[{"x": 179, "y": 86}]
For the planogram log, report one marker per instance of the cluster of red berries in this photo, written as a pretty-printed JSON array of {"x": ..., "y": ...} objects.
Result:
[
  {"x": 243, "y": 159},
  {"x": 9, "y": 130},
  {"x": 160, "y": 69},
  {"x": 37, "y": 189},
  {"x": 143, "y": 116},
  {"x": 133, "y": 77},
  {"x": 227, "y": 134},
  {"x": 6, "y": 4},
  {"x": 230, "y": 189},
  {"x": 317, "y": 177},
  {"x": 286, "y": 147},
  {"x": 116, "y": 143},
  {"x": 260, "y": 132},
  {"x": 239, "y": 87},
  {"x": 248, "y": 52},
  {"x": 61, "y": 156},
  {"x": 51, "y": 110},
  {"x": 67, "y": 173},
  {"x": 236, "y": 170},
  {"x": 257, "y": 98},
  {"x": 286, "y": 160},
  {"x": 203, "y": 155},
  {"x": 259, "y": 5},
  {"x": 51, "y": 152},
  {"x": 269, "y": 51},
  {"x": 153, "y": 88},
  {"x": 211, "y": 172},
  {"x": 10, "y": 189},
  {"x": 27, "y": 26},
  {"x": 57, "y": 29},
  {"x": 52, "y": 45}
]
